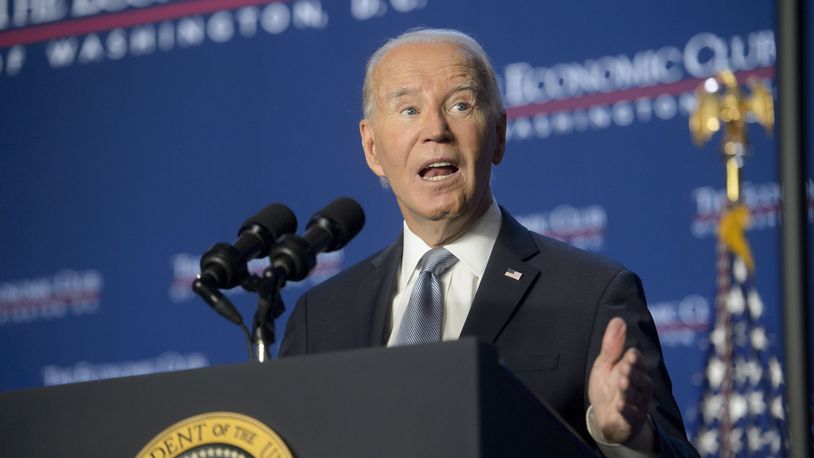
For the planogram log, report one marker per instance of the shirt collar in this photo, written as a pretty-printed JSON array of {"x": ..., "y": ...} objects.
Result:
[{"x": 472, "y": 249}]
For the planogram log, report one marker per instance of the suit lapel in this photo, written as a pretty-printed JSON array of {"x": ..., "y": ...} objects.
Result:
[
  {"x": 501, "y": 290},
  {"x": 376, "y": 293}
]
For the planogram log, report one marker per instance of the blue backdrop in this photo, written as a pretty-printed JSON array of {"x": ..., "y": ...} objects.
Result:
[{"x": 134, "y": 134}]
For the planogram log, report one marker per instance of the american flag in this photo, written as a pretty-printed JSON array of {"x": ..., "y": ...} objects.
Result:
[{"x": 741, "y": 413}]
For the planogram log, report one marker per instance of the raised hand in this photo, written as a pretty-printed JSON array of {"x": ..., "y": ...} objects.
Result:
[{"x": 619, "y": 388}]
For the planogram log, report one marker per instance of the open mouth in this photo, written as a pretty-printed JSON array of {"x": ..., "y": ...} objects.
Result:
[{"x": 437, "y": 171}]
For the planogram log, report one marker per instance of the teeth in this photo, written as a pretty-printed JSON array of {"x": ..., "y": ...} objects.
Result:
[
  {"x": 438, "y": 178},
  {"x": 436, "y": 165}
]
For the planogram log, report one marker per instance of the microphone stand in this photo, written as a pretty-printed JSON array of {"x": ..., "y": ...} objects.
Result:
[{"x": 269, "y": 306}]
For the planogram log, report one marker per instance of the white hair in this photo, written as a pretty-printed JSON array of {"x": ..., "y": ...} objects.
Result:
[{"x": 485, "y": 73}]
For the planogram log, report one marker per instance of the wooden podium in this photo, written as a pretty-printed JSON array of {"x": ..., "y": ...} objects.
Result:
[{"x": 442, "y": 400}]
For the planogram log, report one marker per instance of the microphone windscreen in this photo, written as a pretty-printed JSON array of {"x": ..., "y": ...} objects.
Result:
[
  {"x": 347, "y": 217},
  {"x": 277, "y": 219}
]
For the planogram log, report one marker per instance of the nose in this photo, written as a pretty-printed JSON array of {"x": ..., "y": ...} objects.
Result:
[{"x": 436, "y": 127}]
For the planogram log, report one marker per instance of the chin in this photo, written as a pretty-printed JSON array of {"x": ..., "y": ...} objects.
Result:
[
  {"x": 445, "y": 212},
  {"x": 435, "y": 207}
]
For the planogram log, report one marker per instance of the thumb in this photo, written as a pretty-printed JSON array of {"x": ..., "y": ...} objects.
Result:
[{"x": 613, "y": 342}]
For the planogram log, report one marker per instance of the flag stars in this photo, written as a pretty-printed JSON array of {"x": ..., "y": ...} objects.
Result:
[
  {"x": 757, "y": 405},
  {"x": 759, "y": 339},
  {"x": 739, "y": 270},
  {"x": 747, "y": 371},
  {"x": 718, "y": 338},
  {"x": 754, "y": 371},
  {"x": 736, "y": 440},
  {"x": 708, "y": 442},
  {"x": 738, "y": 407},
  {"x": 755, "y": 304},
  {"x": 776, "y": 407},
  {"x": 743, "y": 377},
  {"x": 775, "y": 372},
  {"x": 741, "y": 370},
  {"x": 773, "y": 439},
  {"x": 754, "y": 438},
  {"x": 735, "y": 302},
  {"x": 716, "y": 369},
  {"x": 711, "y": 407}
]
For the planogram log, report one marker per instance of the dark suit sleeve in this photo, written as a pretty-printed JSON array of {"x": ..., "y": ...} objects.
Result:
[
  {"x": 294, "y": 341},
  {"x": 624, "y": 297}
]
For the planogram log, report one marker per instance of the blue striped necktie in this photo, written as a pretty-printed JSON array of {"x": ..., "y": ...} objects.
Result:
[{"x": 422, "y": 321}]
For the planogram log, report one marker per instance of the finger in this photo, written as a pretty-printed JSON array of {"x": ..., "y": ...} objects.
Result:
[
  {"x": 634, "y": 357},
  {"x": 638, "y": 378},
  {"x": 631, "y": 383},
  {"x": 627, "y": 368},
  {"x": 637, "y": 397},
  {"x": 634, "y": 416},
  {"x": 613, "y": 341}
]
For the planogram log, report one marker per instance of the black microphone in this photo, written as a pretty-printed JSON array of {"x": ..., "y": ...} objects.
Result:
[
  {"x": 328, "y": 230},
  {"x": 224, "y": 266}
]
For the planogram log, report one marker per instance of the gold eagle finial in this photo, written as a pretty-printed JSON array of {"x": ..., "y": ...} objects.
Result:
[{"x": 721, "y": 105}]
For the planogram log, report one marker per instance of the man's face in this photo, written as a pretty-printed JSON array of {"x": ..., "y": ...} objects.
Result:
[{"x": 431, "y": 134}]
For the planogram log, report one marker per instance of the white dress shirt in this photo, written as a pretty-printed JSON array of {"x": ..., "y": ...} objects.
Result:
[{"x": 472, "y": 250}]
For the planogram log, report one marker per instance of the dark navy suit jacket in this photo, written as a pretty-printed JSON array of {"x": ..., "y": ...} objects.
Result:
[{"x": 547, "y": 325}]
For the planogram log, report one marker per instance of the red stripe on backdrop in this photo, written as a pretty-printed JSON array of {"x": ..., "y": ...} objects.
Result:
[
  {"x": 129, "y": 18},
  {"x": 609, "y": 98}
]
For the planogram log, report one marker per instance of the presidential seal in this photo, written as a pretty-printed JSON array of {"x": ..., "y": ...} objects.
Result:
[{"x": 216, "y": 434}]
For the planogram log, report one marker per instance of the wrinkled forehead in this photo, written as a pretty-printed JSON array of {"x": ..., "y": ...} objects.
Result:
[{"x": 413, "y": 64}]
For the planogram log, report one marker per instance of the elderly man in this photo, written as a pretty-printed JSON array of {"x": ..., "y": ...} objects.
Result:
[{"x": 561, "y": 318}]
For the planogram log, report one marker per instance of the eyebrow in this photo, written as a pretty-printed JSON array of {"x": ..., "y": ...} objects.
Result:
[
  {"x": 404, "y": 91},
  {"x": 463, "y": 87},
  {"x": 400, "y": 92}
]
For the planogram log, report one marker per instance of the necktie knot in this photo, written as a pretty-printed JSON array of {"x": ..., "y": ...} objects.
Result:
[{"x": 437, "y": 261}]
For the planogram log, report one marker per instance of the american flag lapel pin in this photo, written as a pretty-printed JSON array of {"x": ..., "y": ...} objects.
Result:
[{"x": 513, "y": 274}]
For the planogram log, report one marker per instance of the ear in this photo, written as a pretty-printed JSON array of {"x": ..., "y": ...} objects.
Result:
[
  {"x": 500, "y": 148},
  {"x": 369, "y": 146}
]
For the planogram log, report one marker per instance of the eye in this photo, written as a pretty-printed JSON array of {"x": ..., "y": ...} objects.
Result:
[
  {"x": 461, "y": 107},
  {"x": 409, "y": 111}
]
